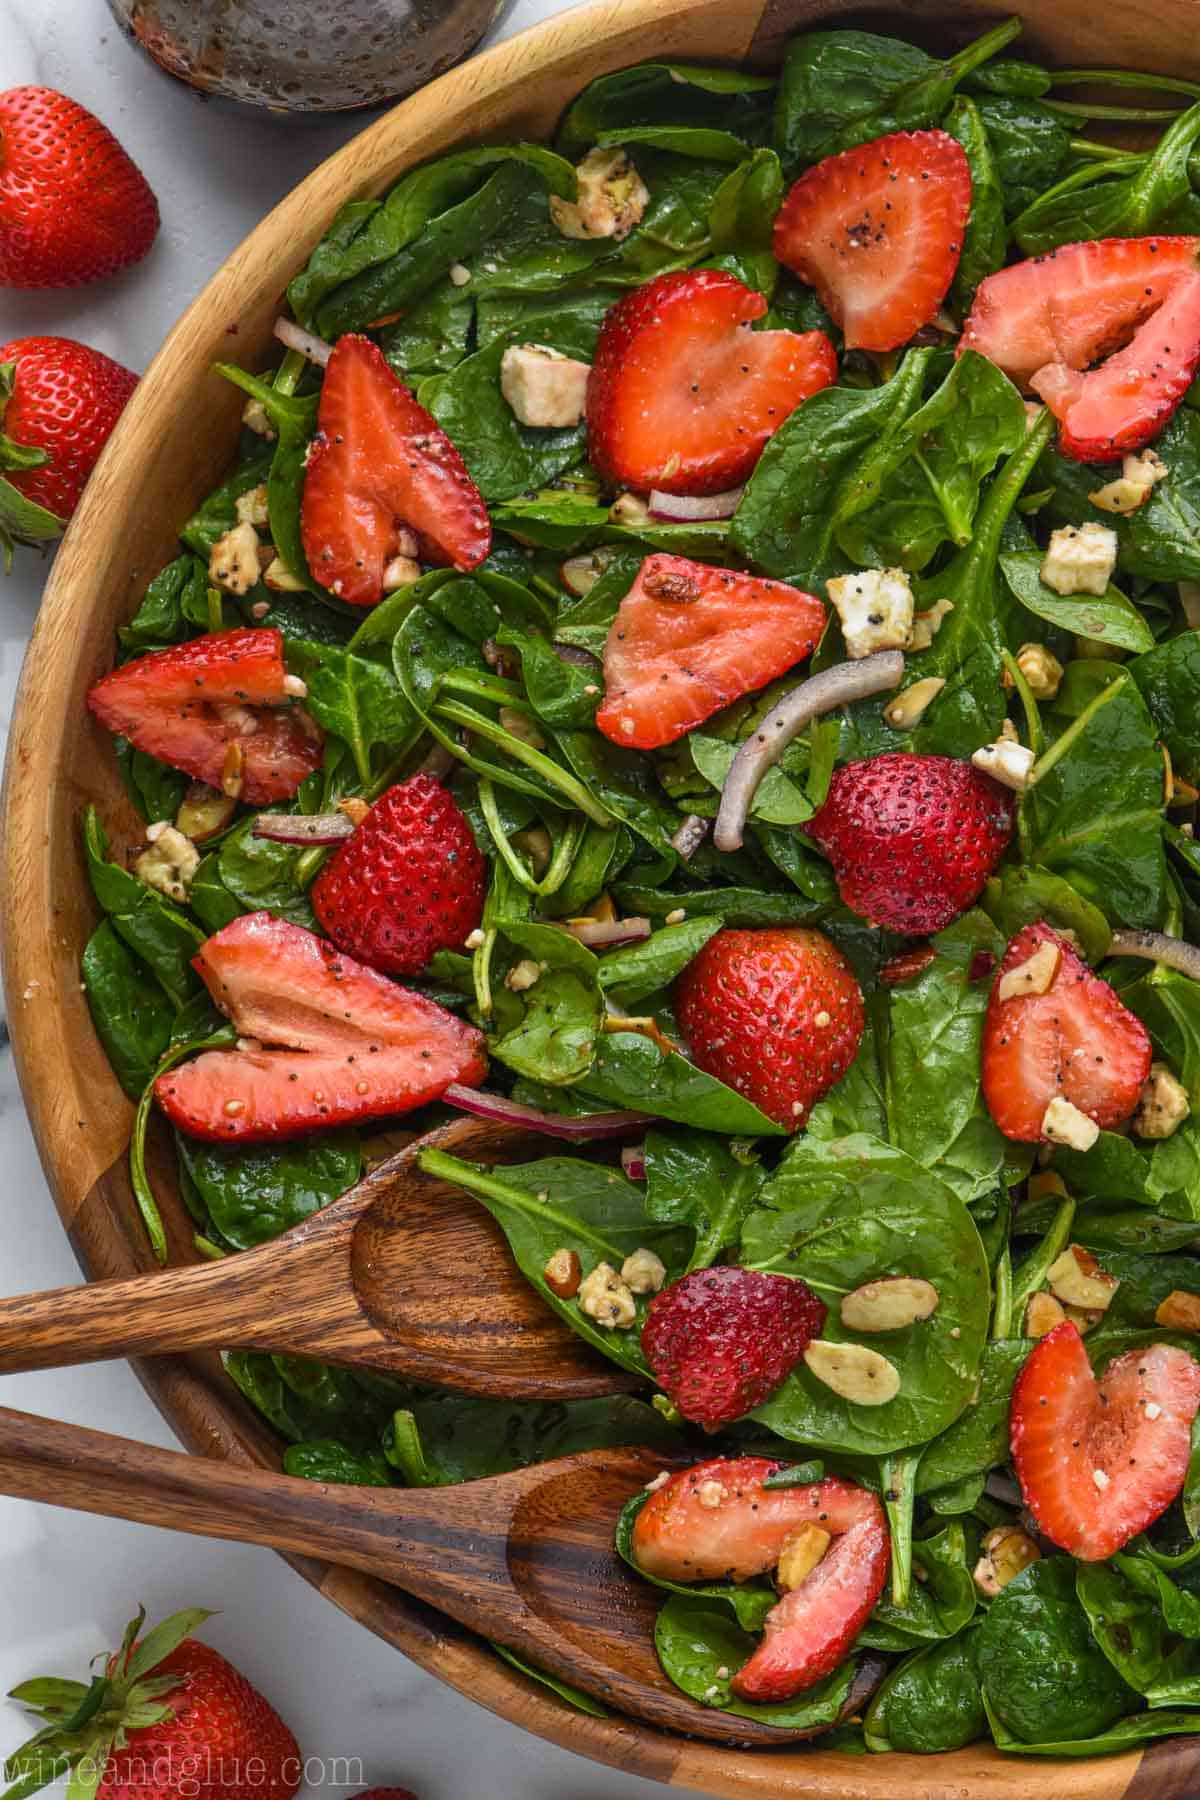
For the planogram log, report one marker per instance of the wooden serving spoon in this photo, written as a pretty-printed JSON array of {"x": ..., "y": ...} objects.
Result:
[
  {"x": 403, "y": 1274},
  {"x": 526, "y": 1559}
]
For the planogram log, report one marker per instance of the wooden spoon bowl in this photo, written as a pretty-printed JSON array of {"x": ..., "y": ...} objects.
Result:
[{"x": 168, "y": 451}]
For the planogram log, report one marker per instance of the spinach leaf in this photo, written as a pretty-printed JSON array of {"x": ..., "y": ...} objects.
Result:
[
  {"x": 171, "y": 600},
  {"x": 324, "y": 1459},
  {"x": 438, "y": 1440},
  {"x": 210, "y": 899},
  {"x": 653, "y": 93},
  {"x": 1161, "y": 540},
  {"x": 559, "y": 520},
  {"x": 778, "y": 800},
  {"x": 562, "y": 696},
  {"x": 633, "y": 974},
  {"x": 560, "y": 1203},
  {"x": 306, "y": 1400},
  {"x": 1114, "y": 203},
  {"x": 218, "y": 514},
  {"x": 624, "y": 785},
  {"x": 1095, "y": 814},
  {"x": 848, "y": 1210},
  {"x": 1169, "y": 679},
  {"x": 254, "y": 1192},
  {"x": 1117, "y": 1169},
  {"x": 631, "y": 1071},
  {"x": 938, "y": 1607},
  {"x": 572, "y": 1695},
  {"x": 1128, "y": 1627},
  {"x": 978, "y": 1438},
  {"x": 1019, "y": 896},
  {"x": 1126, "y": 1734},
  {"x": 985, "y": 240},
  {"x": 930, "y": 1702},
  {"x": 358, "y": 701},
  {"x": 1030, "y": 147},
  {"x": 131, "y": 1014},
  {"x": 156, "y": 931},
  {"x": 841, "y": 88},
  {"x": 1109, "y": 617},
  {"x": 748, "y": 1602},
  {"x": 703, "y": 1182},
  {"x": 555, "y": 1038},
  {"x": 261, "y": 874},
  {"x": 154, "y": 788},
  {"x": 1043, "y": 1674},
  {"x": 731, "y": 905},
  {"x": 433, "y": 335},
  {"x": 696, "y": 1641}
]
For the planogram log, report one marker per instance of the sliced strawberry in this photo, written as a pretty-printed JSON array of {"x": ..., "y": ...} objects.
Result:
[
  {"x": 355, "y": 1045},
  {"x": 219, "y": 708},
  {"x": 378, "y": 464},
  {"x": 878, "y": 232},
  {"x": 1099, "y": 1461},
  {"x": 1075, "y": 304},
  {"x": 717, "y": 1522},
  {"x": 683, "y": 395},
  {"x": 1126, "y": 401},
  {"x": 689, "y": 639},
  {"x": 1076, "y": 1042}
]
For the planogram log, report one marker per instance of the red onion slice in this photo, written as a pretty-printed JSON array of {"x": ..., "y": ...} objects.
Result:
[
  {"x": 823, "y": 693},
  {"x": 605, "y": 934},
  {"x": 512, "y": 1112},
  {"x": 296, "y": 338},
  {"x": 1156, "y": 946},
  {"x": 303, "y": 828},
  {"x": 687, "y": 509}
]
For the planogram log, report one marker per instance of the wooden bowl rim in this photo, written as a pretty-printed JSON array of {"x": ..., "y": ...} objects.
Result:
[{"x": 48, "y": 1023}]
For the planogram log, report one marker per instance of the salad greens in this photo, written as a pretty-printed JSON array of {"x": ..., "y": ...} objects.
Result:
[{"x": 602, "y": 878}]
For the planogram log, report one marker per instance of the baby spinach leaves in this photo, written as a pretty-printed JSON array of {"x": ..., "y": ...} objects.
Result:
[
  {"x": 631, "y": 1071},
  {"x": 131, "y": 1013},
  {"x": 1161, "y": 540},
  {"x": 655, "y": 93},
  {"x": 156, "y": 931},
  {"x": 1109, "y": 618},
  {"x": 930, "y": 1702},
  {"x": 1119, "y": 199},
  {"x": 701, "y": 1647},
  {"x": 436, "y": 1440},
  {"x": 1043, "y": 1674},
  {"x": 252, "y": 1193},
  {"x": 1169, "y": 679},
  {"x": 358, "y": 701},
  {"x": 698, "y": 1180}
]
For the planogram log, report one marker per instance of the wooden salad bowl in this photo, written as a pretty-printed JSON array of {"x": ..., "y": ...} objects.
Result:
[{"x": 170, "y": 447}]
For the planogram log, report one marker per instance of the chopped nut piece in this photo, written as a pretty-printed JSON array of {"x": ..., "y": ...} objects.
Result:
[
  {"x": 1144, "y": 465},
  {"x": 233, "y": 560},
  {"x": 474, "y": 940},
  {"x": 295, "y": 687},
  {"x": 603, "y": 1296},
  {"x": 399, "y": 572},
  {"x": 927, "y": 624},
  {"x": 1042, "y": 1314},
  {"x": 1132, "y": 487},
  {"x": 170, "y": 862},
  {"x": 1081, "y": 559},
  {"x": 710, "y": 1494},
  {"x": 629, "y": 509},
  {"x": 889, "y": 1304},
  {"x": 1180, "y": 1311},
  {"x": 909, "y": 707},
  {"x": 1006, "y": 1552},
  {"x": 251, "y": 507},
  {"x": 643, "y": 1272},
  {"x": 1009, "y": 763},
  {"x": 459, "y": 274},
  {"x": 544, "y": 388},
  {"x": 1042, "y": 670},
  {"x": 1034, "y": 976},
  {"x": 520, "y": 725},
  {"x": 676, "y": 916},
  {"x": 612, "y": 197},
  {"x": 1063, "y": 1123},
  {"x": 1084, "y": 1317},
  {"x": 1164, "y": 1104},
  {"x": 853, "y": 1371},
  {"x": 203, "y": 811},
  {"x": 279, "y": 578},
  {"x": 354, "y": 808},
  {"x": 1077, "y": 1279},
  {"x": 522, "y": 976},
  {"x": 802, "y": 1550},
  {"x": 562, "y": 1274},
  {"x": 233, "y": 770},
  {"x": 254, "y": 417},
  {"x": 579, "y": 574},
  {"x": 875, "y": 608}
]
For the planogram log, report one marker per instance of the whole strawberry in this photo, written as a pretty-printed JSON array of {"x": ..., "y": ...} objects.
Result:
[
  {"x": 59, "y": 401},
  {"x": 73, "y": 207},
  {"x": 776, "y": 1014},
  {"x": 721, "y": 1340},
  {"x": 912, "y": 839},
  {"x": 410, "y": 882},
  {"x": 201, "y": 1731}
]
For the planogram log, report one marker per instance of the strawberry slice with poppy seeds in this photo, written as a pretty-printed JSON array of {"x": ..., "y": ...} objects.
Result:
[
  {"x": 776, "y": 1014},
  {"x": 410, "y": 882},
  {"x": 683, "y": 394},
  {"x": 325, "y": 1041},
  {"x": 221, "y": 707},
  {"x": 912, "y": 839},
  {"x": 878, "y": 232},
  {"x": 688, "y": 639},
  {"x": 1100, "y": 1460},
  {"x": 380, "y": 466},
  {"x": 1054, "y": 1031},
  {"x": 721, "y": 1340}
]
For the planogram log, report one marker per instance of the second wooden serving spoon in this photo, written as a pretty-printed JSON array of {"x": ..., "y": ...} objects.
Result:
[
  {"x": 526, "y": 1559},
  {"x": 403, "y": 1274}
]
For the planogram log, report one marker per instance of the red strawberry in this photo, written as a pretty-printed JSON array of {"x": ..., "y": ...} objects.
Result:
[
  {"x": 220, "y": 708},
  {"x": 1076, "y": 1042},
  {"x": 721, "y": 1340},
  {"x": 380, "y": 463},
  {"x": 878, "y": 232},
  {"x": 717, "y": 1522},
  {"x": 1074, "y": 305},
  {"x": 776, "y": 1014},
  {"x": 352, "y": 1045},
  {"x": 1126, "y": 401},
  {"x": 688, "y": 639},
  {"x": 912, "y": 839},
  {"x": 63, "y": 399},
  {"x": 1100, "y": 1461},
  {"x": 409, "y": 882},
  {"x": 175, "y": 1721},
  {"x": 73, "y": 206},
  {"x": 683, "y": 395}
]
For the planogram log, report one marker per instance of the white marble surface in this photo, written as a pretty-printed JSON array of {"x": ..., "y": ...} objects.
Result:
[{"x": 67, "y": 1581}]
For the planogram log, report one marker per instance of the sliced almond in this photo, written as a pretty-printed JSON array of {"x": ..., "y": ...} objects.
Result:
[
  {"x": 909, "y": 708},
  {"x": 1006, "y": 1552},
  {"x": 889, "y": 1304},
  {"x": 802, "y": 1551},
  {"x": 853, "y": 1372},
  {"x": 1034, "y": 976},
  {"x": 1180, "y": 1311},
  {"x": 1042, "y": 1314},
  {"x": 1077, "y": 1279}
]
